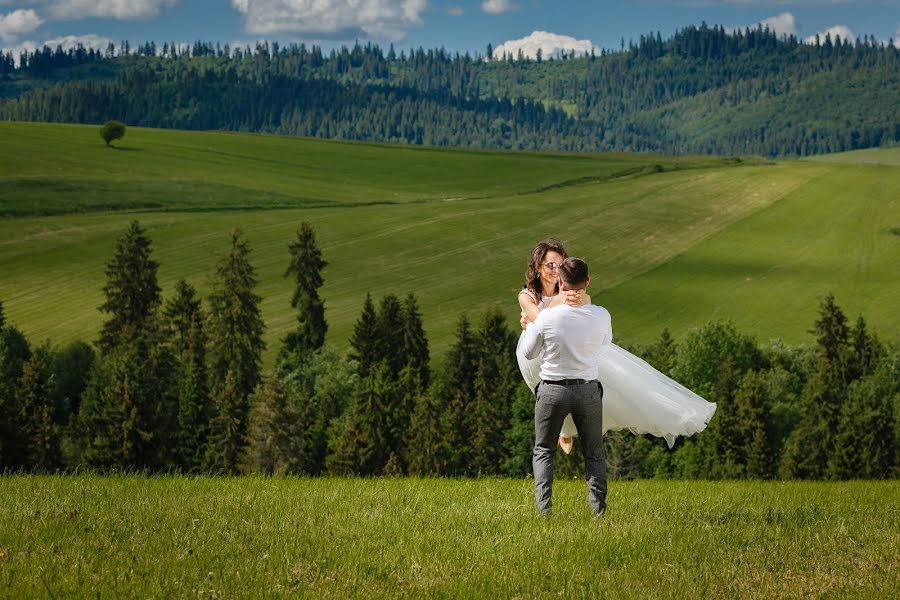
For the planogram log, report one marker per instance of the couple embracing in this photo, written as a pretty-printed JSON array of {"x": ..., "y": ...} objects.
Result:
[{"x": 584, "y": 384}]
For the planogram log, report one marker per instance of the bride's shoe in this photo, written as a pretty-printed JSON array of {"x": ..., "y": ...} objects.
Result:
[{"x": 566, "y": 444}]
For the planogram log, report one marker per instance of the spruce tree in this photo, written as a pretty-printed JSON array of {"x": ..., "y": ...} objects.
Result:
[
  {"x": 14, "y": 353},
  {"x": 225, "y": 442},
  {"x": 180, "y": 313},
  {"x": 40, "y": 430},
  {"x": 184, "y": 322},
  {"x": 426, "y": 451},
  {"x": 235, "y": 345},
  {"x": 752, "y": 427},
  {"x": 415, "y": 342},
  {"x": 365, "y": 339},
  {"x": 864, "y": 350},
  {"x": 391, "y": 347},
  {"x": 119, "y": 416},
  {"x": 275, "y": 438},
  {"x": 458, "y": 392},
  {"x": 495, "y": 383},
  {"x": 306, "y": 267},
  {"x": 358, "y": 444},
  {"x": 518, "y": 439},
  {"x": 131, "y": 291}
]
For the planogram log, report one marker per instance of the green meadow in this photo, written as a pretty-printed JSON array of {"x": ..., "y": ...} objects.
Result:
[
  {"x": 179, "y": 537},
  {"x": 672, "y": 241}
]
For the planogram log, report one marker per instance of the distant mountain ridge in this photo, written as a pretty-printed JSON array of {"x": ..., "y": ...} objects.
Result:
[{"x": 703, "y": 91}]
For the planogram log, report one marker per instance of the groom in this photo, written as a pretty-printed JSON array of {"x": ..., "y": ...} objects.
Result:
[{"x": 568, "y": 340}]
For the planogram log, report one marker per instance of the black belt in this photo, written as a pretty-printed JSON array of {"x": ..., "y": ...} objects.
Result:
[{"x": 570, "y": 381}]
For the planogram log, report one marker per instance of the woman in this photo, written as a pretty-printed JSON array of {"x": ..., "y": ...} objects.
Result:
[
  {"x": 636, "y": 396},
  {"x": 542, "y": 291}
]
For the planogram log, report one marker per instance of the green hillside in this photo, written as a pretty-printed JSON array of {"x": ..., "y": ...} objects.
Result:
[{"x": 759, "y": 243}]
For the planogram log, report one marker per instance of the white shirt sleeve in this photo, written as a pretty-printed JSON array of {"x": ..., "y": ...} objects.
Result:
[{"x": 533, "y": 339}]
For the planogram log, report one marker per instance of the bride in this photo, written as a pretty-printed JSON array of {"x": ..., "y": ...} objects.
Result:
[{"x": 636, "y": 396}]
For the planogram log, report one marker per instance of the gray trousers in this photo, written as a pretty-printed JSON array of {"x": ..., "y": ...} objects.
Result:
[{"x": 585, "y": 403}]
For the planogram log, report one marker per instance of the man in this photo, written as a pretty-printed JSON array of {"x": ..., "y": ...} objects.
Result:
[{"x": 568, "y": 340}]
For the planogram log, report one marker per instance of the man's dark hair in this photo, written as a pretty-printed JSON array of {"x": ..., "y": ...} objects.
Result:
[{"x": 574, "y": 272}]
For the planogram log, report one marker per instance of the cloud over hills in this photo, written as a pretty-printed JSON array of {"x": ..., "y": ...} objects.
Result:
[
  {"x": 551, "y": 45},
  {"x": 332, "y": 19}
]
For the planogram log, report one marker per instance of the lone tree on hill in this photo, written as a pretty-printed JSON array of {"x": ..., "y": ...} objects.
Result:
[{"x": 112, "y": 131}]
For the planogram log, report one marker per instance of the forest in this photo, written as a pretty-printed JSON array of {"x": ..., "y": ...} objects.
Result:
[
  {"x": 705, "y": 90},
  {"x": 177, "y": 385}
]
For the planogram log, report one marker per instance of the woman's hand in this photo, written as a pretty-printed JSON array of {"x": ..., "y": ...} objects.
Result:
[{"x": 574, "y": 297}]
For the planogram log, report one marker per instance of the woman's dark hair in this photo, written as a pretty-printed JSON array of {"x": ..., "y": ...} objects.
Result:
[{"x": 533, "y": 274}]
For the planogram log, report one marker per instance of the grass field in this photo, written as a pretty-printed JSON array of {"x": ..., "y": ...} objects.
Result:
[
  {"x": 174, "y": 537},
  {"x": 672, "y": 242}
]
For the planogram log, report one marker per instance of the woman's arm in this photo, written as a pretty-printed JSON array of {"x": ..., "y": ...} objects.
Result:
[{"x": 530, "y": 308}]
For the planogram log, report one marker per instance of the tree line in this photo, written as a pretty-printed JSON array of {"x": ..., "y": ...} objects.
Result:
[
  {"x": 177, "y": 384},
  {"x": 703, "y": 90}
]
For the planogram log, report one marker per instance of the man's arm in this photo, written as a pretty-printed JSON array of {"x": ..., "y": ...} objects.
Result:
[{"x": 533, "y": 338}]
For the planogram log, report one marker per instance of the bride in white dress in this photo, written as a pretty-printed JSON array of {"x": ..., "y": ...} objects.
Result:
[{"x": 636, "y": 396}]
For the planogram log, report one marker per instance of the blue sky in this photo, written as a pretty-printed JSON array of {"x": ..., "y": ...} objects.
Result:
[{"x": 458, "y": 25}]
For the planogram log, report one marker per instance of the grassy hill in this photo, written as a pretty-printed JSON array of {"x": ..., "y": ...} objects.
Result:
[{"x": 671, "y": 242}]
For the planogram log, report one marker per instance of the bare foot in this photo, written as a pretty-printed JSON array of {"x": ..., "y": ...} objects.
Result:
[{"x": 566, "y": 444}]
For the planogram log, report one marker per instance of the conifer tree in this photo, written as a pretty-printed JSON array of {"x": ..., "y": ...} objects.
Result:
[
  {"x": 391, "y": 346},
  {"x": 491, "y": 408},
  {"x": 119, "y": 414},
  {"x": 864, "y": 445},
  {"x": 663, "y": 352},
  {"x": 752, "y": 427},
  {"x": 275, "y": 443},
  {"x": 14, "y": 353},
  {"x": 365, "y": 339},
  {"x": 225, "y": 442},
  {"x": 426, "y": 451},
  {"x": 180, "y": 313},
  {"x": 519, "y": 437},
  {"x": 40, "y": 431},
  {"x": 415, "y": 342},
  {"x": 458, "y": 392},
  {"x": 184, "y": 318},
  {"x": 306, "y": 266},
  {"x": 2, "y": 316},
  {"x": 864, "y": 351},
  {"x": 235, "y": 345},
  {"x": 359, "y": 444},
  {"x": 131, "y": 291}
]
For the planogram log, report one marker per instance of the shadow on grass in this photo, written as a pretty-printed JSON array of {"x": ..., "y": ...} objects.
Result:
[{"x": 126, "y": 148}]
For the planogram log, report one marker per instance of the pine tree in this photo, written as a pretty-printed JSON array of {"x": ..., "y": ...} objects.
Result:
[
  {"x": 426, "y": 451},
  {"x": 863, "y": 352},
  {"x": 181, "y": 312},
  {"x": 494, "y": 388},
  {"x": 663, "y": 353},
  {"x": 226, "y": 439},
  {"x": 415, "y": 342},
  {"x": 359, "y": 445},
  {"x": 306, "y": 266},
  {"x": 864, "y": 443},
  {"x": 235, "y": 345},
  {"x": 832, "y": 336},
  {"x": 275, "y": 435},
  {"x": 458, "y": 393},
  {"x": 752, "y": 427},
  {"x": 184, "y": 322},
  {"x": 119, "y": 415},
  {"x": 365, "y": 339},
  {"x": 14, "y": 353},
  {"x": 40, "y": 431},
  {"x": 131, "y": 291},
  {"x": 390, "y": 326},
  {"x": 519, "y": 437}
]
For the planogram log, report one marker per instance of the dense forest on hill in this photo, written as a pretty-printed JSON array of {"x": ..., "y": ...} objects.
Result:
[{"x": 704, "y": 90}]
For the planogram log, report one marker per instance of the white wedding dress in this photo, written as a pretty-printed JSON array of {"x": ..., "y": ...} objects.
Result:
[{"x": 636, "y": 397}]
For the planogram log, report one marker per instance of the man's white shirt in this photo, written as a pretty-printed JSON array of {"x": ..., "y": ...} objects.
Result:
[{"x": 568, "y": 340}]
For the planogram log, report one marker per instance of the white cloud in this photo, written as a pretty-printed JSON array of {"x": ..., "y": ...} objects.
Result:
[
  {"x": 97, "y": 42},
  {"x": 551, "y": 45},
  {"x": 335, "y": 19},
  {"x": 455, "y": 11},
  {"x": 783, "y": 24},
  {"x": 111, "y": 9},
  {"x": 17, "y": 23},
  {"x": 497, "y": 7},
  {"x": 837, "y": 30}
]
